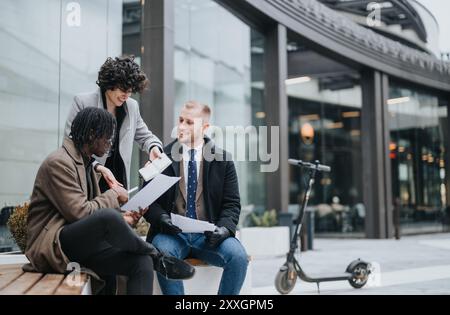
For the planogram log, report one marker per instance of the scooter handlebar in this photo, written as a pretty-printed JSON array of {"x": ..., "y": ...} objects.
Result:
[{"x": 316, "y": 165}]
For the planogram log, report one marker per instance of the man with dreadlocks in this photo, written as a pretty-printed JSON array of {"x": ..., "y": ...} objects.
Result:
[{"x": 69, "y": 219}]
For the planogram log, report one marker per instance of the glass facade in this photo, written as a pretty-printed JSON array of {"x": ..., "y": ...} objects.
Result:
[
  {"x": 51, "y": 51},
  {"x": 418, "y": 131},
  {"x": 47, "y": 58},
  {"x": 325, "y": 104},
  {"x": 218, "y": 61}
]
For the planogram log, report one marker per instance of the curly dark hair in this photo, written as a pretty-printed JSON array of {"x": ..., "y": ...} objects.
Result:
[
  {"x": 123, "y": 73},
  {"x": 92, "y": 123}
]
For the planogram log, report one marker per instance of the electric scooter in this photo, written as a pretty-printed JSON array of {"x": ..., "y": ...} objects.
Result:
[{"x": 357, "y": 272}]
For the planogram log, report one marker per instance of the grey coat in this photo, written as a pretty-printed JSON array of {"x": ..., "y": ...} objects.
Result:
[{"x": 133, "y": 127}]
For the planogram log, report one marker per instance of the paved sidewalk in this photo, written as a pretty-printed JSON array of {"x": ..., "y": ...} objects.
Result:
[{"x": 413, "y": 265}]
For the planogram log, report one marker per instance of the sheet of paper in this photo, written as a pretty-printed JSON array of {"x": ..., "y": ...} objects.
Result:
[
  {"x": 162, "y": 163},
  {"x": 145, "y": 197},
  {"x": 188, "y": 225},
  {"x": 156, "y": 167}
]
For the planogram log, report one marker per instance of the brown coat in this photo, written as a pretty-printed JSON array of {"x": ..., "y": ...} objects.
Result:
[{"x": 59, "y": 197}]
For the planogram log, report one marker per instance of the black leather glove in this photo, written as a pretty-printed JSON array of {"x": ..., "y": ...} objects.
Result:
[
  {"x": 166, "y": 225},
  {"x": 214, "y": 239}
]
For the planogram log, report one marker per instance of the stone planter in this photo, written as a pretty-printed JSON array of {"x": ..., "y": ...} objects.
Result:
[
  {"x": 13, "y": 258},
  {"x": 265, "y": 241}
]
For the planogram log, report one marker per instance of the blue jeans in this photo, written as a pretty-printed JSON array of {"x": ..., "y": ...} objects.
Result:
[{"x": 229, "y": 255}]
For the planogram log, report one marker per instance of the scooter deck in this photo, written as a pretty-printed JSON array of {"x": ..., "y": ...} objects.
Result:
[{"x": 327, "y": 277}]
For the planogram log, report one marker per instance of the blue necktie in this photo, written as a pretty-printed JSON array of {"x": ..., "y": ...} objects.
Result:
[{"x": 192, "y": 186}]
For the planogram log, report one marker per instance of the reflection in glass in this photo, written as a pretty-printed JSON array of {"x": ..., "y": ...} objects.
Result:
[
  {"x": 418, "y": 122},
  {"x": 325, "y": 124},
  {"x": 46, "y": 58},
  {"x": 29, "y": 93}
]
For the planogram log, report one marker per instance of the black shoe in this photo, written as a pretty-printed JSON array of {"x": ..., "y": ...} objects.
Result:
[{"x": 173, "y": 268}]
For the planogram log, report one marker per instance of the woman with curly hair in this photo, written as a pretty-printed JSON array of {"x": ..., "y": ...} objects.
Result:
[{"x": 117, "y": 79}]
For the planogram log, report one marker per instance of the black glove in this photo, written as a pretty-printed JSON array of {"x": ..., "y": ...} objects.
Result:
[
  {"x": 220, "y": 234},
  {"x": 167, "y": 226}
]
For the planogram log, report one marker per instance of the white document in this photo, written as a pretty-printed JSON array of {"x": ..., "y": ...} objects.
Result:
[
  {"x": 155, "y": 167},
  {"x": 188, "y": 225},
  {"x": 148, "y": 195}
]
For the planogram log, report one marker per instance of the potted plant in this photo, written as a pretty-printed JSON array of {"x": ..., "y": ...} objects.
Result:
[
  {"x": 142, "y": 228},
  {"x": 17, "y": 226}
]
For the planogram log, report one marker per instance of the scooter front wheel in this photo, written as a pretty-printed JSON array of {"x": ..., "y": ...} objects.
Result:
[{"x": 286, "y": 279}]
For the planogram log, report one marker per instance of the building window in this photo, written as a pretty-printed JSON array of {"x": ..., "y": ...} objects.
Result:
[
  {"x": 325, "y": 124},
  {"x": 418, "y": 134}
]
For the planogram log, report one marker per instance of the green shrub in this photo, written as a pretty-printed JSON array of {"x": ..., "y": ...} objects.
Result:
[
  {"x": 17, "y": 224},
  {"x": 142, "y": 227},
  {"x": 266, "y": 219}
]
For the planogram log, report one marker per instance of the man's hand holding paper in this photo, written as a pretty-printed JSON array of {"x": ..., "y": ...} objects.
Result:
[{"x": 188, "y": 225}]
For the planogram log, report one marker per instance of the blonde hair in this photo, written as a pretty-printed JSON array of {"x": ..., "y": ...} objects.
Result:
[{"x": 205, "y": 109}]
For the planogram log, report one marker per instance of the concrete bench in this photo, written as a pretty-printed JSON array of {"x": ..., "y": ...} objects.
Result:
[
  {"x": 14, "y": 281},
  {"x": 207, "y": 279}
]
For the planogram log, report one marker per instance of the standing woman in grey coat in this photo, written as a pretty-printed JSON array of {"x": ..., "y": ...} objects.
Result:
[{"x": 117, "y": 79}]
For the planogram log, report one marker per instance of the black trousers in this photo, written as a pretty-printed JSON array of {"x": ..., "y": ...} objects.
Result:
[{"x": 106, "y": 244}]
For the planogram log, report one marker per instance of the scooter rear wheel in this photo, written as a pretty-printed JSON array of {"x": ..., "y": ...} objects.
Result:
[
  {"x": 286, "y": 279},
  {"x": 360, "y": 274}
]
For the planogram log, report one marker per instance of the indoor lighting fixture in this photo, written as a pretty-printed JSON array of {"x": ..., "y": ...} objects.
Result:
[
  {"x": 335, "y": 125},
  {"x": 309, "y": 117},
  {"x": 298, "y": 80},
  {"x": 260, "y": 115},
  {"x": 351, "y": 114},
  {"x": 399, "y": 100}
]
